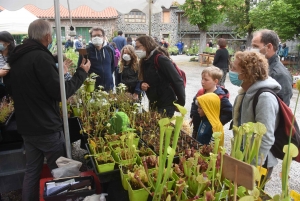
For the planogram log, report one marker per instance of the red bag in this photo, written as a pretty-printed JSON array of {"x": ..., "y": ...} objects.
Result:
[{"x": 282, "y": 132}]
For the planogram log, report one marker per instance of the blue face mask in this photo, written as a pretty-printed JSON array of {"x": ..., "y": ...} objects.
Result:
[
  {"x": 234, "y": 78},
  {"x": 2, "y": 47}
]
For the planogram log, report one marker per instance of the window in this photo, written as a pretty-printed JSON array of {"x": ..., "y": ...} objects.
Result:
[
  {"x": 84, "y": 32},
  {"x": 135, "y": 16},
  {"x": 166, "y": 17},
  {"x": 63, "y": 33}
]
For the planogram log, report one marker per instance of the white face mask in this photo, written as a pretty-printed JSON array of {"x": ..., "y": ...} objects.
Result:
[
  {"x": 97, "y": 41},
  {"x": 140, "y": 53},
  {"x": 126, "y": 57}
]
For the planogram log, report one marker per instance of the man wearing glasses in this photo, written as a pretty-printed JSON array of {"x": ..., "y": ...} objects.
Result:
[{"x": 101, "y": 57}]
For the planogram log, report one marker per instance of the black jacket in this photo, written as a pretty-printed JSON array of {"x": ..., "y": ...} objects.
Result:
[
  {"x": 221, "y": 58},
  {"x": 160, "y": 91},
  {"x": 226, "y": 107},
  {"x": 36, "y": 89}
]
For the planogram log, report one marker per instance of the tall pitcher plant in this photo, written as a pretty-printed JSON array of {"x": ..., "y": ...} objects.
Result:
[
  {"x": 168, "y": 153},
  {"x": 290, "y": 151}
]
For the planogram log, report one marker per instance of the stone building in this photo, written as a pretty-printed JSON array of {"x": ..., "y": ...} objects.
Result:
[{"x": 169, "y": 24}]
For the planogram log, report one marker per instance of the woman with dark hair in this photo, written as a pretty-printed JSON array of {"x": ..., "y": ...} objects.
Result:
[
  {"x": 7, "y": 44},
  {"x": 221, "y": 59},
  {"x": 159, "y": 78}
]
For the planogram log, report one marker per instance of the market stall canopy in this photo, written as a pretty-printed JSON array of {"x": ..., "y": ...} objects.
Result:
[
  {"x": 16, "y": 22},
  {"x": 124, "y": 6}
]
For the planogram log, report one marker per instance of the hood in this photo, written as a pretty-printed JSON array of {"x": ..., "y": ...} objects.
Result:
[
  {"x": 27, "y": 46},
  {"x": 269, "y": 83},
  {"x": 222, "y": 91}
]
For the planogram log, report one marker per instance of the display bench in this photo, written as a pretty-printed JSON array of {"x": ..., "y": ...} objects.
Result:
[{"x": 206, "y": 59}]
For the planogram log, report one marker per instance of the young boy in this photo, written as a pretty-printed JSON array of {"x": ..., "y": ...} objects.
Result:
[
  {"x": 209, "y": 106},
  {"x": 210, "y": 78}
]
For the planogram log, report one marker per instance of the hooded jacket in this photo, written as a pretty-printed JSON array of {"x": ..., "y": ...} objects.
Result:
[
  {"x": 160, "y": 80},
  {"x": 35, "y": 88},
  {"x": 267, "y": 112},
  {"x": 226, "y": 107},
  {"x": 102, "y": 63},
  {"x": 211, "y": 104}
]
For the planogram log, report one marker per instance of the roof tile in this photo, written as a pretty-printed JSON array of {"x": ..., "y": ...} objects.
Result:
[{"x": 79, "y": 13}]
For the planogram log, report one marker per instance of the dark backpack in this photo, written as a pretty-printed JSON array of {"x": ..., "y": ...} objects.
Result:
[
  {"x": 180, "y": 72},
  {"x": 282, "y": 132}
]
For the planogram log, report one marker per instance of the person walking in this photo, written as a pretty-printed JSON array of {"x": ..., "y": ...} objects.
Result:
[
  {"x": 221, "y": 59},
  {"x": 120, "y": 40},
  {"x": 36, "y": 93},
  {"x": 266, "y": 42}
]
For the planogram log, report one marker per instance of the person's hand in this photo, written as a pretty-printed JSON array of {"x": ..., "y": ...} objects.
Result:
[
  {"x": 135, "y": 96},
  {"x": 144, "y": 86},
  {"x": 191, "y": 122},
  {"x": 85, "y": 64},
  {"x": 3, "y": 72},
  {"x": 67, "y": 64}
]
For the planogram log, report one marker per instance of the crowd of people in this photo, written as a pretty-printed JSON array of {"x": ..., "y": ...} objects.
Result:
[{"x": 29, "y": 74}]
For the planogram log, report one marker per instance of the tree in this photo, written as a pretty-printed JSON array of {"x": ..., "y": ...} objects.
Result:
[
  {"x": 203, "y": 13},
  {"x": 282, "y": 16},
  {"x": 237, "y": 14}
]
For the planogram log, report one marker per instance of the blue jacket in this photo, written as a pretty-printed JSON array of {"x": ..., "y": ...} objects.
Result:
[
  {"x": 102, "y": 63},
  {"x": 120, "y": 42},
  {"x": 180, "y": 45},
  {"x": 226, "y": 107}
]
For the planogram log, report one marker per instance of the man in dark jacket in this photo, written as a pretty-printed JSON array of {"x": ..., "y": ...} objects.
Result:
[
  {"x": 102, "y": 59},
  {"x": 36, "y": 93},
  {"x": 266, "y": 42},
  {"x": 69, "y": 43}
]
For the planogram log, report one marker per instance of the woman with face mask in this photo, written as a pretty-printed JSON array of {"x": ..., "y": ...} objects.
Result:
[
  {"x": 7, "y": 44},
  {"x": 159, "y": 78},
  {"x": 129, "y": 71},
  {"x": 250, "y": 71}
]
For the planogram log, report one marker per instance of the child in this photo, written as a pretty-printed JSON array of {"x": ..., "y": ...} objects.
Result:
[
  {"x": 209, "y": 105},
  {"x": 129, "y": 71},
  {"x": 210, "y": 78}
]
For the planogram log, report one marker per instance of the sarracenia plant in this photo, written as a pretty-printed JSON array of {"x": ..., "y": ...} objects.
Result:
[{"x": 166, "y": 131}]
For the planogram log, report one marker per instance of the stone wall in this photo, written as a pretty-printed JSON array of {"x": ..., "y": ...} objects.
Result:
[{"x": 109, "y": 25}]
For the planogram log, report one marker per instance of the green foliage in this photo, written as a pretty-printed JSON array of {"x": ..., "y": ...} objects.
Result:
[
  {"x": 210, "y": 50},
  {"x": 173, "y": 49},
  {"x": 70, "y": 54},
  {"x": 282, "y": 16},
  {"x": 237, "y": 14},
  {"x": 193, "y": 50},
  {"x": 203, "y": 13}
]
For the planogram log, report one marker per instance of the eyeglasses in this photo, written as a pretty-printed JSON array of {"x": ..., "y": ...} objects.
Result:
[{"x": 97, "y": 35}]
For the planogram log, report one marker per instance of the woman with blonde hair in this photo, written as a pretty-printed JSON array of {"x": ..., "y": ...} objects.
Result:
[
  {"x": 129, "y": 71},
  {"x": 250, "y": 71}
]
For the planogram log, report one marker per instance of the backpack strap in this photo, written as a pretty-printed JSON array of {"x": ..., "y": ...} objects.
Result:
[
  {"x": 156, "y": 65},
  {"x": 261, "y": 90}
]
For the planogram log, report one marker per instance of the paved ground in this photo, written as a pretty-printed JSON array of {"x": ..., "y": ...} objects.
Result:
[{"x": 193, "y": 73}]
